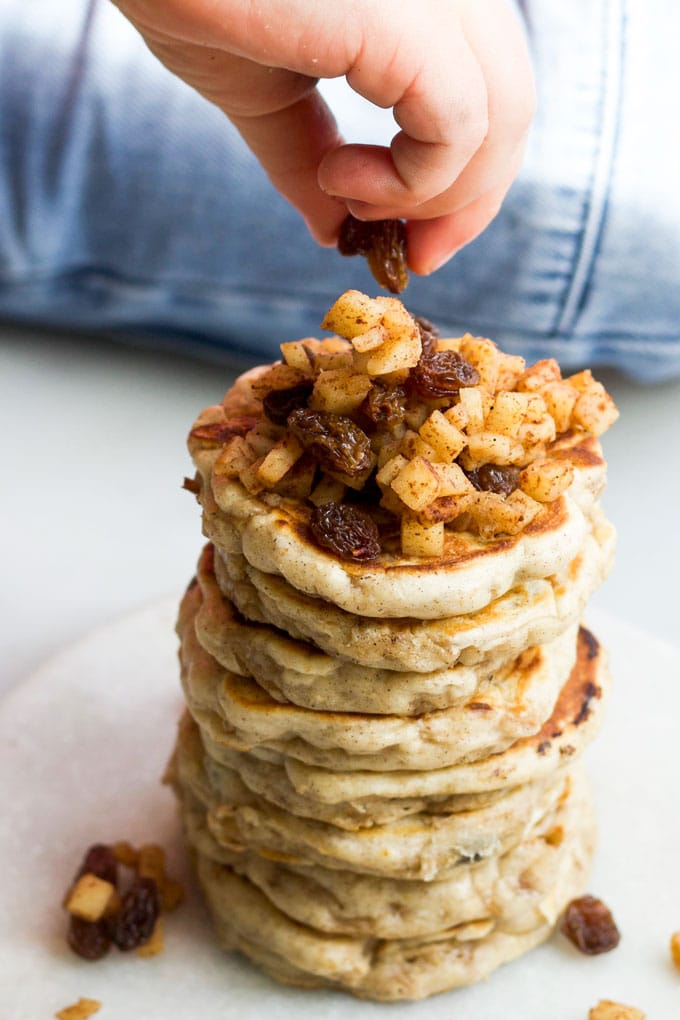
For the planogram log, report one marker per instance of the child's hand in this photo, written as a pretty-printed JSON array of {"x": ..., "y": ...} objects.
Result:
[{"x": 456, "y": 73}]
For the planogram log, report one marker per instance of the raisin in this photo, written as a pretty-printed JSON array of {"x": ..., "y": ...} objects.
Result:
[
  {"x": 89, "y": 939},
  {"x": 336, "y": 442},
  {"x": 133, "y": 924},
  {"x": 494, "y": 478},
  {"x": 383, "y": 242},
  {"x": 346, "y": 530},
  {"x": 385, "y": 406},
  {"x": 588, "y": 923},
  {"x": 278, "y": 404},
  {"x": 99, "y": 860},
  {"x": 429, "y": 334},
  {"x": 441, "y": 374},
  {"x": 216, "y": 433}
]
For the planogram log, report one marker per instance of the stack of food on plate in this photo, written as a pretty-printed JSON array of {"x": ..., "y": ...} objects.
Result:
[{"x": 387, "y": 686}]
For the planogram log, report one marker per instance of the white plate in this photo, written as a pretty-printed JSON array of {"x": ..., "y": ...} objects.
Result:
[{"x": 83, "y": 744}]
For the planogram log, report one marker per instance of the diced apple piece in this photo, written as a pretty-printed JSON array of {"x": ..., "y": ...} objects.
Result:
[
  {"x": 452, "y": 480},
  {"x": 492, "y": 448},
  {"x": 389, "y": 471},
  {"x": 418, "y": 539},
  {"x": 353, "y": 313},
  {"x": 560, "y": 399},
  {"x": 484, "y": 355},
  {"x": 329, "y": 490},
  {"x": 539, "y": 375},
  {"x": 443, "y": 436},
  {"x": 470, "y": 398},
  {"x": 545, "y": 480},
  {"x": 339, "y": 391},
  {"x": 89, "y": 897},
  {"x": 280, "y": 459},
  {"x": 417, "y": 484}
]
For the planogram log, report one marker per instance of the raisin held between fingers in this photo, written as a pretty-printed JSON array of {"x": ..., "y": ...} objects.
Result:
[
  {"x": 588, "y": 923},
  {"x": 278, "y": 404},
  {"x": 89, "y": 939},
  {"x": 494, "y": 478},
  {"x": 383, "y": 242},
  {"x": 441, "y": 374},
  {"x": 336, "y": 442},
  {"x": 346, "y": 530},
  {"x": 133, "y": 924}
]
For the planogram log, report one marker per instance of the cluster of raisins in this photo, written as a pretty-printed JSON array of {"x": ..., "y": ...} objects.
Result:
[{"x": 130, "y": 926}]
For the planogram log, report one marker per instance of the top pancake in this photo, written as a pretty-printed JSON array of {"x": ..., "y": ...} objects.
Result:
[{"x": 272, "y": 532}]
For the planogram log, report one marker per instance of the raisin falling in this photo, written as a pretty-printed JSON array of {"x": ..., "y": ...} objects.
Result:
[
  {"x": 133, "y": 924},
  {"x": 588, "y": 923},
  {"x": 278, "y": 404},
  {"x": 346, "y": 530},
  {"x": 336, "y": 442},
  {"x": 441, "y": 374},
  {"x": 89, "y": 939},
  {"x": 383, "y": 242},
  {"x": 494, "y": 478}
]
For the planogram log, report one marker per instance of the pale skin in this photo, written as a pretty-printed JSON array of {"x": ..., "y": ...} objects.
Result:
[{"x": 456, "y": 74}]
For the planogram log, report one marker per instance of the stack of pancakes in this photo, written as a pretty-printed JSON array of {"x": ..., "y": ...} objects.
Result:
[{"x": 376, "y": 769}]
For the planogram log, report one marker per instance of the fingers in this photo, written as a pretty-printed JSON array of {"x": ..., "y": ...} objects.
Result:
[
  {"x": 280, "y": 115},
  {"x": 289, "y": 144},
  {"x": 375, "y": 186},
  {"x": 443, "y": 118}
]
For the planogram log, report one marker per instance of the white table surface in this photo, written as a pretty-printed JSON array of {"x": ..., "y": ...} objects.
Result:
[{"x": 94, "y": 522}]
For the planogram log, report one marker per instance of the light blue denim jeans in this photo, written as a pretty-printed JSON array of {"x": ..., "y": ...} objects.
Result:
[{"x": 129, "y": 204}]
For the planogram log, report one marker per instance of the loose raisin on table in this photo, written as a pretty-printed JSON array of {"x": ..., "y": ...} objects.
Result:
[
  {"x": 588, "y": 923},
  {"x": 89, "y": 939},
  {"x": 441, "y": 374},
  {"x": 383, "y": 242},
  {"x": 278, "y": 404},
  {"x": 336, "y": 442},
  {"x": 133, "y": 924},
  {"x": 346, "y": 530},
  {"x": 495, "y": 478}
]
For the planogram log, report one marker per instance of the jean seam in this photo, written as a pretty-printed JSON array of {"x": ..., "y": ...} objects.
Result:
[{"x": 603, "y": 165}]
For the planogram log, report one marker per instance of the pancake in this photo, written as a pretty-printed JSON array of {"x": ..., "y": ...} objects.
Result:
[
  {"x": 421, "y": 846},
  {"x": 573, "y": 724},
  {"x": 296, "y": 671},
  {"x": 272, "y": 533},
  {"x": 236, "y": 711},
  {"x": 532, "y": 613},
  {"x": 512, "y": 890},
  {"x": 239, "y": 774},
  {"x": 388, "y": 969}
]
